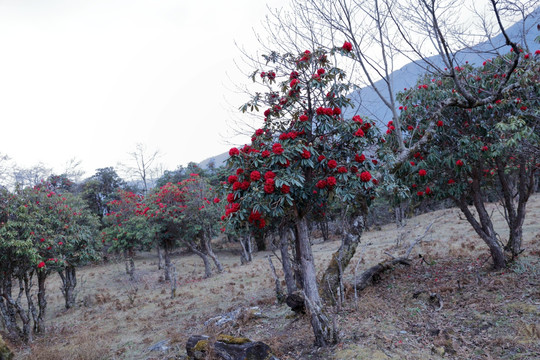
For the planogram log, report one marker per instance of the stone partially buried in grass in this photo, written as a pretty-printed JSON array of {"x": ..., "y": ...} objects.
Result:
[{"x": 228, "y": 347}]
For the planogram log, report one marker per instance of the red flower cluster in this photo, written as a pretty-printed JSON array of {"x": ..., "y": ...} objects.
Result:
[
  {"x": 285, "y": 189},
  {"x": 277, "y": 149},
  {"x": 321, "y": 158},
  {"x": 359, "y": 133},
  {"x": 306, "y": 154},
  {"x": 422, "y": 172},
  {"x": 358, "y": 119},
  {"x": 347, "y": 46},
  {"x": 303, "y": 118},
  {"x": 234, "y": 152},
  {"x": 365, "y": 176},
  {"x": 359, "y": 158},
  {"x": 342, "y": 170},
  {"x": 325, "y": 111},
  {"x": 332, "y": 164},
  {"x": 459, "y": 162},
  {"x": 255, "y": 175}
]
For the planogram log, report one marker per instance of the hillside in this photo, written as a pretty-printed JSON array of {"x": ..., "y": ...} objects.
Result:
[{"x": 479, "y": 314}]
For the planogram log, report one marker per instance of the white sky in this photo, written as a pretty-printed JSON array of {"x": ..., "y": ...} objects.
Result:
[{"x": 90, "y": 79}]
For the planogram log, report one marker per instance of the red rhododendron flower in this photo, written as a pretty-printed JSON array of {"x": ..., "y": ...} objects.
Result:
[
  {"x": 321, "y": 71},
  {"x": 337, "y": 111},
  {"x": 283, "y": 136},
  {"x": 332, "y": 164},
  {"x": 331, "y": 181},
  {"x": 459, "y": 162},
  {"x": 412, "y": 163},
  {"x": 347, "y": 46},
  {"x": 230, "y": 197},
  {"x": 375, "y": 181},
  {"x": 320, "y": 111},
  {"x": 232, "y": 179},
  {"x": 358, "y": 119},
  {"x": 269, "y": 175},
  {"x": 255, "y": 175},
  {"x": 523, "y": 108},
  {"x": 422, "y": 172},
  {"x": 293, "y": 75},
  {"x": 259, "y": 132},
  {"x": 237, "y": 186},
  {"x": 265, "y": 154},
  {"x": 440, "y": 123},
  {"x": 365, "y": 176},
  {"x": 375, "y": 161},
  {"x": 303, "y": 118},
  {"x": 428, "y": 191},
  {"x": 244, "y": 185},
  {"x": 342, "y": 170},
  {"x": 294, "y": 82},
  {"x": 41, "y": 264},
  {"x": 285, "y": 189},
  {"x": 321, "y": 184},
  {"x": 234, "y": 152},
  {"x": 451, "y": 181},
  {"x": 354, "y": 169},
  {"x": 359, "y": 133},
  {"x": 321, "y": 158},
  {"x": 269, "y": 188},
  {"x": 239, "y": 171},
  {"x": 420, "y": 193},
  {"x": 306, "y": 154},
  {"x": 484, "y": 148},
  {"x": 277, "y": 149},
  {"x": 359, "y": 158},
  {"x": 216, "y": 200}
]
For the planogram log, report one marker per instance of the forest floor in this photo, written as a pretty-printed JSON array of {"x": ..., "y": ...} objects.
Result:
[{"x": 447, "y": 304}]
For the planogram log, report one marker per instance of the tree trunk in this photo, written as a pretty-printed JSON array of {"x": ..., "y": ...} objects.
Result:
[
  {"x": 160, "y": 257},
  {"x": 324, "y": 333},
  {"x": 484, "y": 228},
  {"x": 259, "y": 241},
  {"x": 297, "y": 267},
  {"x": 204, "y": 257},
  {"x": 323, "y": 226},
  {"x": 285, "y": 260},
  {"x": 69, "y": 282},
  {"x": 247, "y": 253},
  {"x": 129, "y": 263},
  {"x": 7, "y": 310},
  {"x": 332, "y": 281},
  {"x": 42, "y": 302},
  {"x": 210, "y": 252},
  {"x": 167, "y": 268}
]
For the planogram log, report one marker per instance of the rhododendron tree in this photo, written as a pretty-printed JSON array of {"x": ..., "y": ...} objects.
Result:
[
  {"x": 186, "y": 213},
  {"x": 305, "y": 153},
  {"x": 42, "y": 232},
  {"x": 127, "y": 231},
  {"x": 480, "y": 150}
]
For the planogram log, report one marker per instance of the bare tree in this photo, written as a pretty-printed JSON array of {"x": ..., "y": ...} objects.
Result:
[{"x": 143, "y": 167}]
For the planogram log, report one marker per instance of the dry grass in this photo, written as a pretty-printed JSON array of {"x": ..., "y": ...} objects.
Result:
[{"x": 484, "y": 315}]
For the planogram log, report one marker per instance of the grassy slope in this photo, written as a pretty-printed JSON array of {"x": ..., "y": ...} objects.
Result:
[{"x": 484, "y": 315}]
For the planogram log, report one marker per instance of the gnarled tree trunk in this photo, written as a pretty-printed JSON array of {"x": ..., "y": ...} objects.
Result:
[
  {"x": 69, "y": 282},
  {"x": 323, "y": 330},
  {"x": 203, "y": 256},
  {"x": 332, "y": 281},
  {"x": 285, "y": 259}
]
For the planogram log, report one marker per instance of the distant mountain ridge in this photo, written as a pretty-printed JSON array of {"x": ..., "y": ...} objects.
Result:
[{"x": 369, "y": 103}]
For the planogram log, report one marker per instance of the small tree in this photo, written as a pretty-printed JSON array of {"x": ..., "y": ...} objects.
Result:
[
  {"x": 127, "y": 230},
  {"x": 305, "y": 153},
  {"x": 477, "y": 151}
]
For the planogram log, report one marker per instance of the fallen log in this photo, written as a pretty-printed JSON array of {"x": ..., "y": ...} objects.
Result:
[{"x": 372, "y": 274}]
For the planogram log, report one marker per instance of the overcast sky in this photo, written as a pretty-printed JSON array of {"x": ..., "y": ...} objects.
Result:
[{"x": 90, "y": 79}]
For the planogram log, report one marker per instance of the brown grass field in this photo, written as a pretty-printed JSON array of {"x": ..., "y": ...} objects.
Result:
[{"x": 484, "y": 314}]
